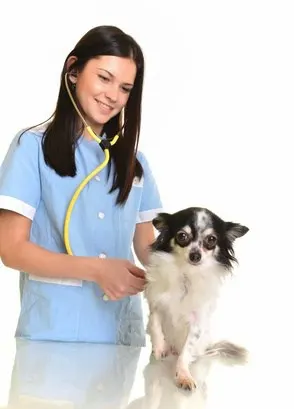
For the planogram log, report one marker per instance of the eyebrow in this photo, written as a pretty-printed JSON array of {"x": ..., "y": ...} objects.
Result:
[{"x": 108, "y": 72}]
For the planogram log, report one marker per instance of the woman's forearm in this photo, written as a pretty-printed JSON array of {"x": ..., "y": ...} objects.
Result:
[{"x": 35, "y": 260}]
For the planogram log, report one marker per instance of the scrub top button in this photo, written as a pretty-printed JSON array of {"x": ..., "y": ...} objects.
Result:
[{"x": 101, "y": 215}]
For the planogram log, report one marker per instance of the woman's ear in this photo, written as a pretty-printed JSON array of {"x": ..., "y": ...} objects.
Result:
[{"x": 72, "y": 73}]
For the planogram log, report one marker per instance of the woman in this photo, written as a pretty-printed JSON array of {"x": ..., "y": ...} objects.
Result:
[{"x": 62, "y": 295}]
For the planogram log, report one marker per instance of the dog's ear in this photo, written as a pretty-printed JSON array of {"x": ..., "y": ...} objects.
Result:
[
  {"x": 235, "y": 230},
  {"x": 160, "y": 221}
]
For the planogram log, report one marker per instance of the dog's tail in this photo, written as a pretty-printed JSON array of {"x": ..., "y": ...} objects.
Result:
[{"x": 228, "y": 352}]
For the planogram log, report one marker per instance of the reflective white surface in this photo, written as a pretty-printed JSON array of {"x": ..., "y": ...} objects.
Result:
[
  {"x": 60, "y": 375},
  {"x": 255, "y": 310}
]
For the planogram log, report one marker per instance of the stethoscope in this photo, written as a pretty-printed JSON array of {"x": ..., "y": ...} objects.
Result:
[{"x": 105, "y": 144}]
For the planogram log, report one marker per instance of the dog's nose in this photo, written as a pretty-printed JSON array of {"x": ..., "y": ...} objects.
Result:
[{"x": 195, "y": 256}]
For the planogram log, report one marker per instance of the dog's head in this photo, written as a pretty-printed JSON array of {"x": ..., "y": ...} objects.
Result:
[{"x": 197, "y": 236}]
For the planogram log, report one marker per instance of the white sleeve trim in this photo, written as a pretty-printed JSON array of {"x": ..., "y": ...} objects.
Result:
[
  {"x": 148, "y": 215},
  {"x": 18, "y": 206}
]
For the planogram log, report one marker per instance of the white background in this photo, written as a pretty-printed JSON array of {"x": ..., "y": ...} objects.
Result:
[{"x": 217, "y": 122}]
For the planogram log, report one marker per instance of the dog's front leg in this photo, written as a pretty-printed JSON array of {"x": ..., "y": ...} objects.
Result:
[
  {"x": 184, "y": 378},
  {"x": 159, "y": 346}
]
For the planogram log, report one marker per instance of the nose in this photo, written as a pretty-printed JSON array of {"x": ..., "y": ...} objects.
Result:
[
  {"x": 112, "y": 93},
  {"x": 195, "y": 256}
]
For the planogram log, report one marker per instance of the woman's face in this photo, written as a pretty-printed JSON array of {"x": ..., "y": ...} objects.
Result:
[{"x": 103, "y": 88}]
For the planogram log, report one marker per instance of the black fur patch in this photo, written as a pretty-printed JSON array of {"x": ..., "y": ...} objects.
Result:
[{"x": 226, "y": 232}]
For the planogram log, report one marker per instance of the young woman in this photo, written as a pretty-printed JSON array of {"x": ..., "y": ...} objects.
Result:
[{"x": 63, "y": 295}]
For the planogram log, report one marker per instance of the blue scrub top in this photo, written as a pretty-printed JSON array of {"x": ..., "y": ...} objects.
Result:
[{"x": 74, "y": 310}]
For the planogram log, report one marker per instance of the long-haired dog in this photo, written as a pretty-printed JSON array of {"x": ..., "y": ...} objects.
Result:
[{"x": 189, "y": 261}]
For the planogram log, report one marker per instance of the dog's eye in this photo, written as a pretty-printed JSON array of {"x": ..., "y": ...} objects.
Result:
[
  {"x": 210, "y": 242},
  {"x": 182, "y": 237}
]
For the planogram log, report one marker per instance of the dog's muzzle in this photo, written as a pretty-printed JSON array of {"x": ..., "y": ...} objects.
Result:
[{"x": 194, "y": 256}]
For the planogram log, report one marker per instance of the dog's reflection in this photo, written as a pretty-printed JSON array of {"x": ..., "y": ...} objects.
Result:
[
  {"x": 84, "y": 376},
  {"x": 161, "y": 391}
]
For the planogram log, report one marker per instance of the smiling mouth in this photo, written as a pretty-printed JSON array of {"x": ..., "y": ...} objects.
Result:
[{"x": 104, "y": 106}]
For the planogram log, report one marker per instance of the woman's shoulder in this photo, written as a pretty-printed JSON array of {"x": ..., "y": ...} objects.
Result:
[
  {"x": 36, "y": 132},
  {"x": 28, "y": 138},
  {"x": 26, "y": 143},
  {"x": 39, "y": 130},
  {"x": 144, "y": 160},
  {"x": 141, "y": 156}
]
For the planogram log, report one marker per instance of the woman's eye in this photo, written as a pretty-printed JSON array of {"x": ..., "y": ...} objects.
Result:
[
  {"x": 126, "y": 90},
  {"x": 103, "y": 78}
]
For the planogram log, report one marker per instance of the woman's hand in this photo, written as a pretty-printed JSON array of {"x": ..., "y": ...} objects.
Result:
[{"x": 119, "y": 278}]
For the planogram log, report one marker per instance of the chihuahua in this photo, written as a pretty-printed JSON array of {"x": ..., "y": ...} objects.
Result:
[{"x": 189, "y": 261}]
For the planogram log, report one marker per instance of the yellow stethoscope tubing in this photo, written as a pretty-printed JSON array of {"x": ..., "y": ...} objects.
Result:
[{"x": 87, "y": 179}]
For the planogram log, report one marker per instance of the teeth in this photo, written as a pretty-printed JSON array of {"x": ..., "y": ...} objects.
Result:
[{"x": 104, "y": 105}]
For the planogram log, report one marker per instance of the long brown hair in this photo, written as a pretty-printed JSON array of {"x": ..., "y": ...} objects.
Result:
[{"x": 60, "y": 137}]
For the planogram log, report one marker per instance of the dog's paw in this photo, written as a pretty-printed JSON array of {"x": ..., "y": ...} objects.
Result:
[
  {"x": 173, "y": 351},
  {"x": 161, "y": 351},
  {"x": 185, "y": 381}
]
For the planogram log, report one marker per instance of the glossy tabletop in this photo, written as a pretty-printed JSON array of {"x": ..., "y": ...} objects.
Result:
[{"x": 47, "y": 375}]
